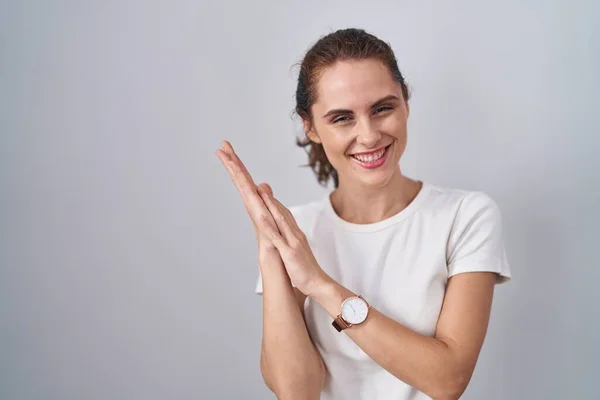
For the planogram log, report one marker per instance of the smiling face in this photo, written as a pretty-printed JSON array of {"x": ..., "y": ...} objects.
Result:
[{"x": 360, "y": 119}]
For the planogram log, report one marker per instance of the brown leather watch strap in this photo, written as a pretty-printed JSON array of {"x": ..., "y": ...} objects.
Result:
[{"x": 340, "y": 324}]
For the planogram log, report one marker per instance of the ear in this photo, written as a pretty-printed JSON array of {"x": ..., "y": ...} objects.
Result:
[{"x": 310, "y": 132}]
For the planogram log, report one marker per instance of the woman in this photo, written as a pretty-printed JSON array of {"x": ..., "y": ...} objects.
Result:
[{"x": 383, "y": 288}]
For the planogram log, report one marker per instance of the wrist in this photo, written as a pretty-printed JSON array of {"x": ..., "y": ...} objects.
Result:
[
  {"x": 274, "y": 275},
  {"x": 267, "y": 248},
  {"x": 269, "y": 260},
  {"x": 320, "y": 285},
  {"x": 330, "y": 295}
]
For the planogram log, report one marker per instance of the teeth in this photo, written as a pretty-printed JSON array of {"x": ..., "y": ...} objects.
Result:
[{"x": 370, "y": 157}]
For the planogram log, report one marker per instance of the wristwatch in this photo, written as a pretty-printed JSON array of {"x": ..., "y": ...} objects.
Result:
[{"x": 354, "y": 311}]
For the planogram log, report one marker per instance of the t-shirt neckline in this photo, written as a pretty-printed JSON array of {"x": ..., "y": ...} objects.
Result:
[{"x": 375, "y": 226}]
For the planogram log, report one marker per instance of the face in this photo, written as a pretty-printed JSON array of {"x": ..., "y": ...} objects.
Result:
[{"x": 360, "y": 119}]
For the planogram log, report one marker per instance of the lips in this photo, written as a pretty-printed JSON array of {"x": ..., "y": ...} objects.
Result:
[
  {"x": 369, "y": 157},
  {"x": 372, "y": 159}
]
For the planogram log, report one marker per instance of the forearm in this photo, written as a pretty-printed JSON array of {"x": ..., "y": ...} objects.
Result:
[
  {"x": 291, "y": 365},
  {"x": 424, "y": 362}
]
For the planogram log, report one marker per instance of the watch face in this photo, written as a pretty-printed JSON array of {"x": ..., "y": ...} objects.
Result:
[{"x": 354, "y": 310}]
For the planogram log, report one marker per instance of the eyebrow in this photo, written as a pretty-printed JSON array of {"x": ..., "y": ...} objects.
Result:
[{"x": 378, "y": 102}]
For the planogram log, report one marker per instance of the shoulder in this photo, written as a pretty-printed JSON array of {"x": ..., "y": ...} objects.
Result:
[
  {"x": 462, "y": 203},
  {"x": 474, "y": 232},
  {"x": 472, "y": 219}
]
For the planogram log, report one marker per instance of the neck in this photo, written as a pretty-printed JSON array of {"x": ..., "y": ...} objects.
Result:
[{"x": 365, "y": 205}]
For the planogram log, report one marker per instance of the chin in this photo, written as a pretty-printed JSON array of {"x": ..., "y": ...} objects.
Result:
[
  {"x": 372, "y": 178},
  {"x": 377, "y": 180}
]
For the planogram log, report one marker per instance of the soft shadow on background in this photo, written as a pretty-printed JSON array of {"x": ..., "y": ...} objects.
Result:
[{"x": 127, "y": 262}]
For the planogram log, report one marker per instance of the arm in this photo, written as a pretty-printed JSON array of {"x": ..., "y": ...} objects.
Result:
[
  {"x": 291, "y": 366},
  {"x": 439, "y": 366}
]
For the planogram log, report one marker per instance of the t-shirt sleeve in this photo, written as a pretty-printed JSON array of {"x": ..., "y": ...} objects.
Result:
[
  {"x": 476, "y": 242},
  {"x": 258, "y": 289}
]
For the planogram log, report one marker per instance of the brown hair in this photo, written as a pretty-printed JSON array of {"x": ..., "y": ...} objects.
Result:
[{"x": 341, "y": 45}]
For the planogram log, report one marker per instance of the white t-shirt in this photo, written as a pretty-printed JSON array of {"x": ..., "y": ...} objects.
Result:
[{"x": 400, "y": 266}]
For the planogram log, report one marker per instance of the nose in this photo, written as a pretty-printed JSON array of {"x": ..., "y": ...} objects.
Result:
[{"x": 368, "y": 135}]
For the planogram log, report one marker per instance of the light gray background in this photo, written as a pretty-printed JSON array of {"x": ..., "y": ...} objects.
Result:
[{"x": 127, "y": 263}]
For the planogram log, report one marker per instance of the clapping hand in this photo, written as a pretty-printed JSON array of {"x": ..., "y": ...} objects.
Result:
[{"x": 274, "y": 224}]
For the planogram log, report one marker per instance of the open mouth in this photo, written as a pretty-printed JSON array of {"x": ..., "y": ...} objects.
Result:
[{"x": 372, "y": 160}]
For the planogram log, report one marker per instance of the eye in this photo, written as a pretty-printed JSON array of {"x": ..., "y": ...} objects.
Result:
[
  {"x": 342, "y": 118},
  {"x": 382, "y": 109}
]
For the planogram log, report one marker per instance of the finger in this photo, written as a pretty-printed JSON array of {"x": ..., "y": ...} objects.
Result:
[
  {"x": 280, "y": 244},
  {"x": 291, "y": 220},
  {"x": 225, "y": 160},
  {"x": 229, "y": 149},
  {"x": 227, "y": 163},
  {"x": 253, "y": 203},
  {"x": 281, "y": 219},
  {"x": 266, "y": 226},
  {"x": 244, "y": 180},
  {"x": 266, "y": 188},
  {"x": 241, "y": 178},
  {"x": 239, "y": 164}
]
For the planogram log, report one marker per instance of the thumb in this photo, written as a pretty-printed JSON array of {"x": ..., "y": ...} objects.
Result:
[{"x": 266, "y": 188}]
